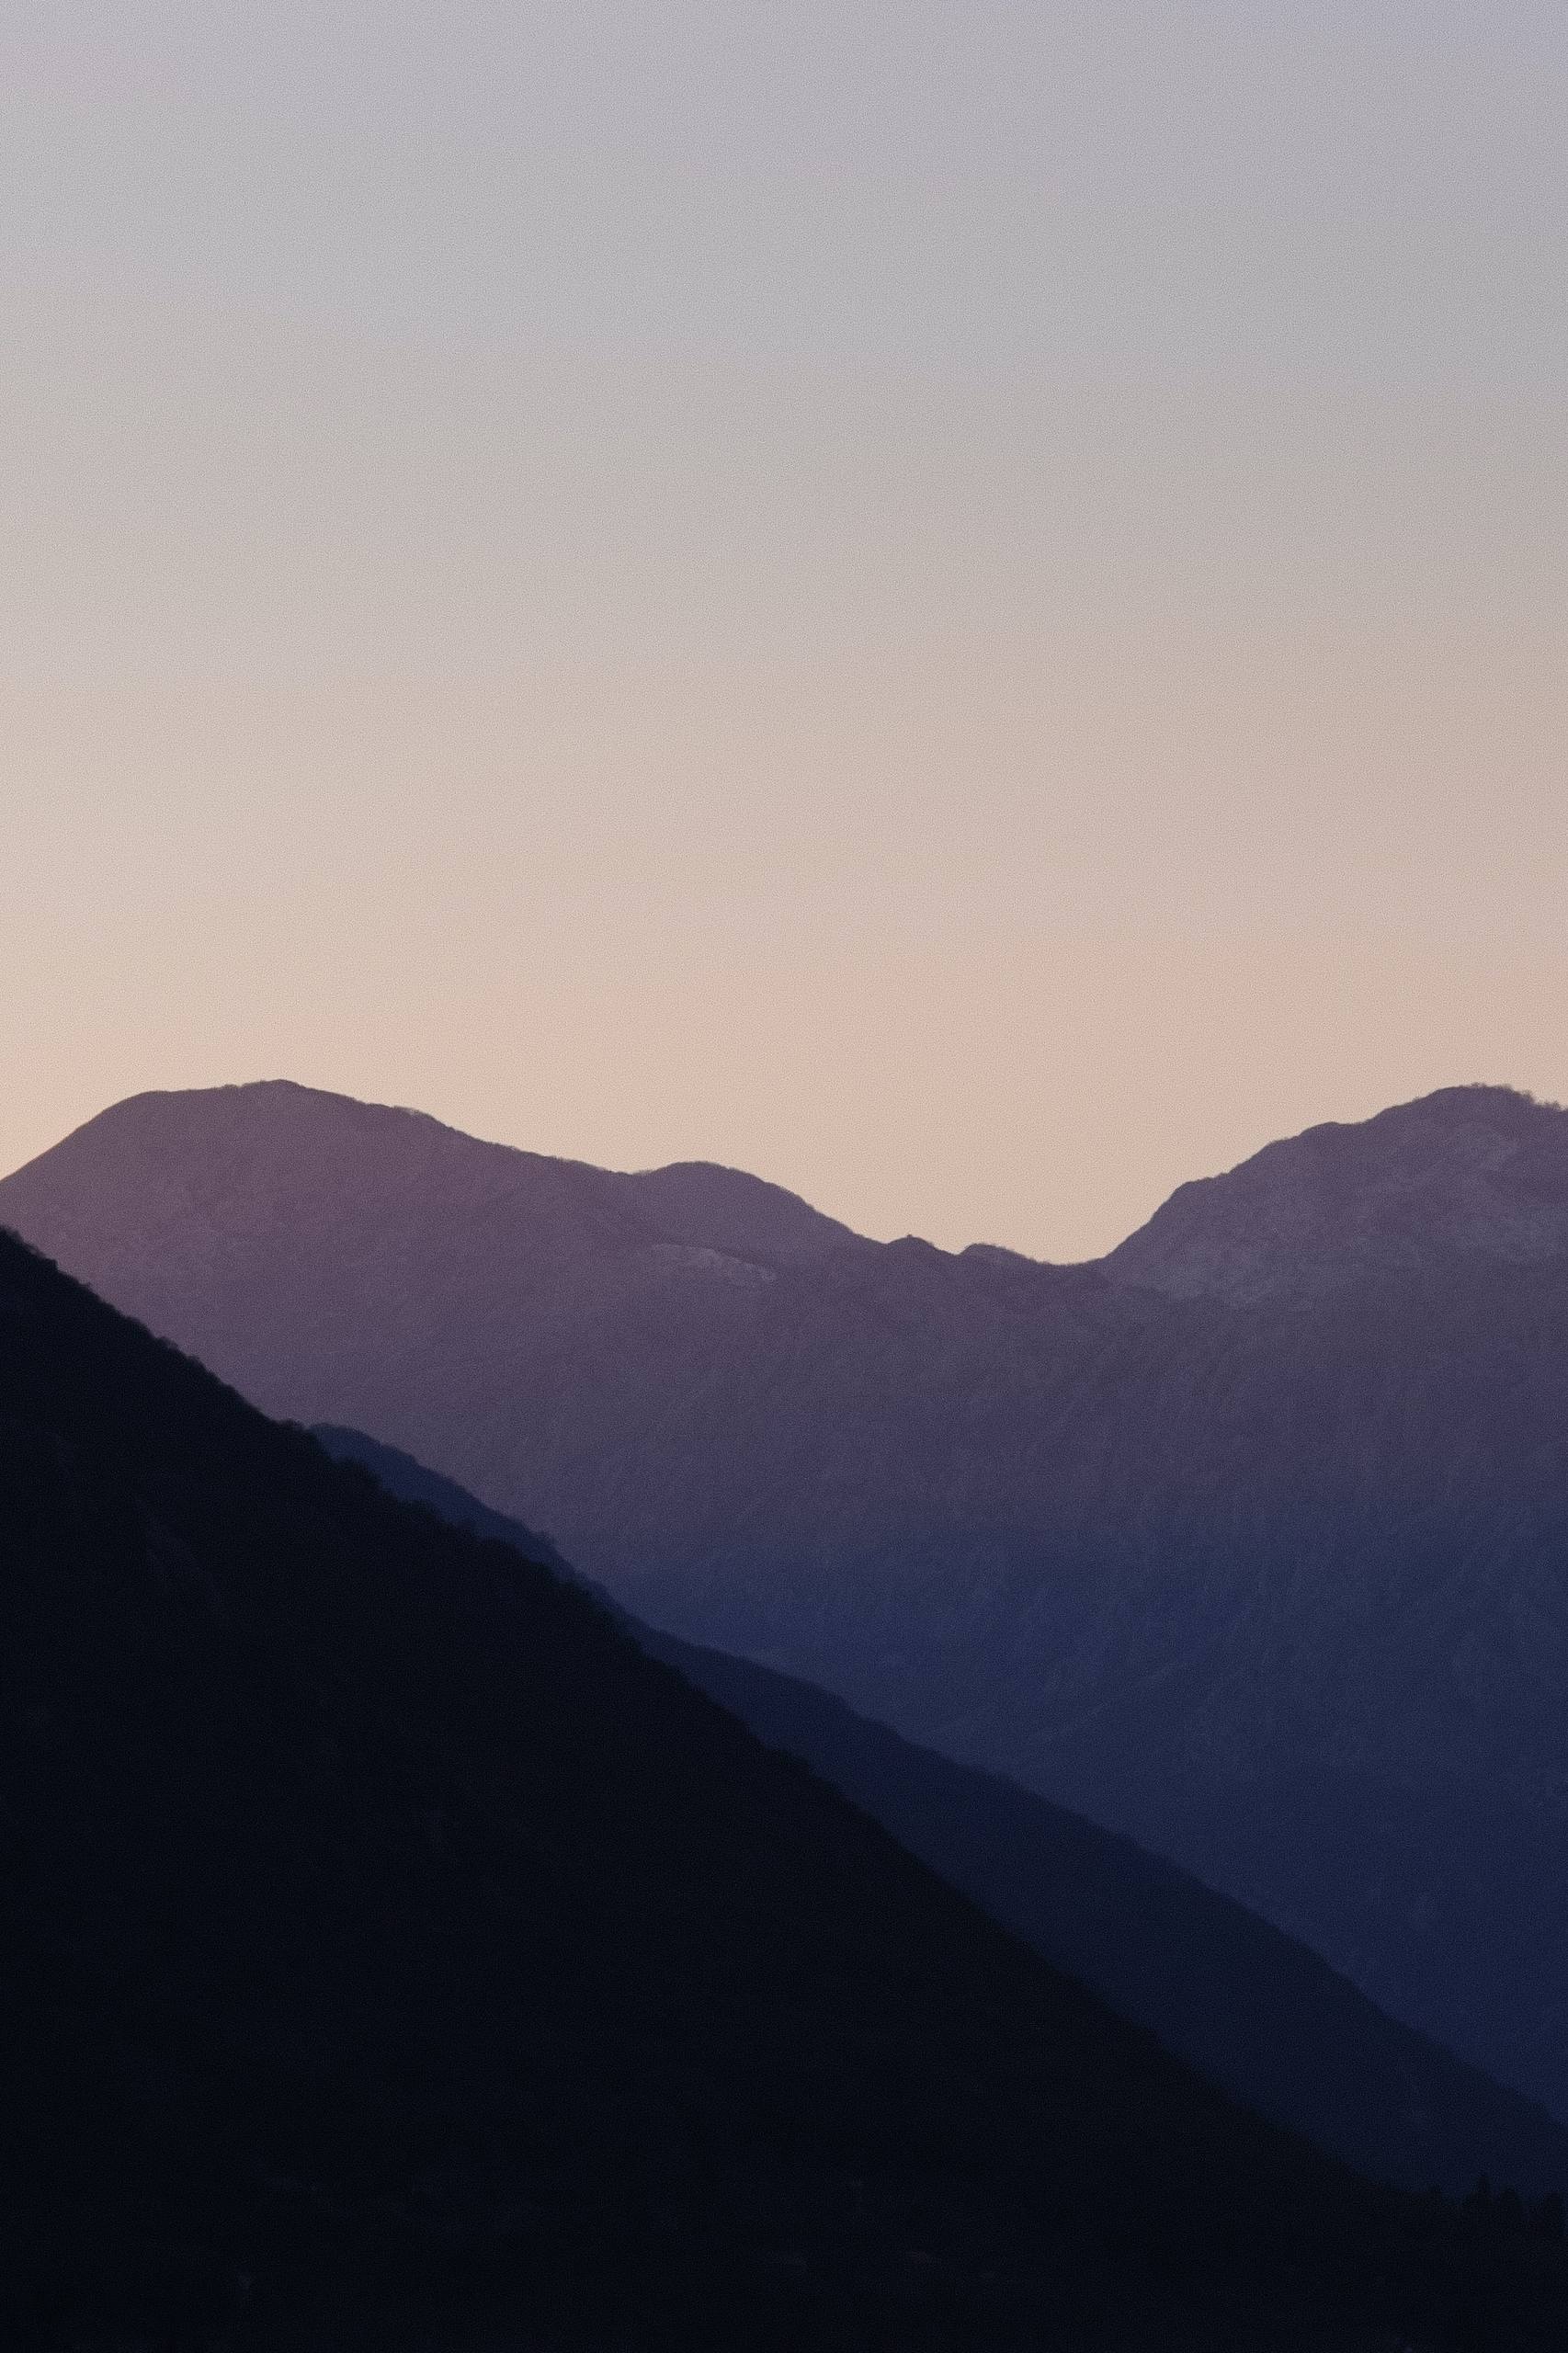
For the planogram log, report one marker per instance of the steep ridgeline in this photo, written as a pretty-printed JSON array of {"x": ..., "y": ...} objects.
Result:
[
  {"x": 1249, "y": 2006},
  {"x": 1250, "y": 1541},
  {"x": 395, "y": 1956}
]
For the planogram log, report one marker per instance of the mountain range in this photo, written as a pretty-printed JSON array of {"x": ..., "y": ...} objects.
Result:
[
  {"x": 1251, "y": 2009},
  {"x": 395, "y": 1956},
  {"x": 1249, "y": 1541}
]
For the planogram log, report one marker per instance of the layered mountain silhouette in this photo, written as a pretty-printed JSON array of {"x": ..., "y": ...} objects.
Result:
[
  {"x": 1250, "y": 1541},
  {"x": 1249, "y": 2006},
  {"x": 394, "y": 1955}
]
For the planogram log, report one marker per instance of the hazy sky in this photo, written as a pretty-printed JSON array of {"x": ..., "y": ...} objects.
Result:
[{"x": 963, "y": 605}]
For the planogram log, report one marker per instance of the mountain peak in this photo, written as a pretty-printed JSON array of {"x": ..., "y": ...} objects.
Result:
[
  {"x": 1475, "y": 1169},
  {"x": 240, "y": 1152},
  {"x": 704, "y": 1203}
]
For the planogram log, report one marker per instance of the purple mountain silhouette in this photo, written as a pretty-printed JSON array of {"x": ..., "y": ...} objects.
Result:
[{"x": 1251, "y": 1540}]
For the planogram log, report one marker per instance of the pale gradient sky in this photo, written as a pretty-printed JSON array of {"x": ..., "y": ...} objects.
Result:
[{"x": 961, "y": 604}]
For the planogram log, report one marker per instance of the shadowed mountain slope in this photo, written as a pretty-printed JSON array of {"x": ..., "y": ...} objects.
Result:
[
  {"x": 1271, "y": 1574},
  {"x": 395, "y": 1955},
  {"x": 1246, "y": 2005}
]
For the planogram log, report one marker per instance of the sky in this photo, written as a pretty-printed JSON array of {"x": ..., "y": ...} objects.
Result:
[{"x": 960, "y": 605}]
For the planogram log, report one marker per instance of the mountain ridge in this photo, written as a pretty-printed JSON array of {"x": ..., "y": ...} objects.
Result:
[
  {"x": 1490, "y": 1129},
  {"x": 395, "y": 1956},
  {"x": 1227, "y": 1993},
  {"x": 1481, "y": 1169},
  {"x": 1275, "y": 1584}
]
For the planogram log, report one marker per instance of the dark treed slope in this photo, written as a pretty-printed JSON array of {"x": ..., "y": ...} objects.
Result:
[
  {"x": 1272, "y": 1576},
  {"x": 394, "y": 1954},
  {"x": 1245, "y": 2004}
]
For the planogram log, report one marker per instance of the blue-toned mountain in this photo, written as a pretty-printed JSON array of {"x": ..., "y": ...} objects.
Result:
[
  {"x": 396, "y": 1957},
  {"x": 1249, "y": 2006}
]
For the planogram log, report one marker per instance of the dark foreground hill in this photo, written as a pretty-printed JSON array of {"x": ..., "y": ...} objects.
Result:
[
  {"x": 1249, "y": 2006},
  {"x": 394, "y": 1955},
  {"x": 1251, "y": 1541}
]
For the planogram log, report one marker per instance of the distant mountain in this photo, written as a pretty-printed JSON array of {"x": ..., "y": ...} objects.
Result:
[
  {"x": 1249, "y": 2007},
  {"x": 1471, "y": 1171},
  {"x": 1250, "y": 1541},
  {"x": 395, "y": 1956}
]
